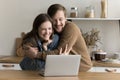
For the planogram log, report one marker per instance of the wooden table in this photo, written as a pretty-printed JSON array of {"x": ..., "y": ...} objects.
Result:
[{"x": 32, "y": 75}]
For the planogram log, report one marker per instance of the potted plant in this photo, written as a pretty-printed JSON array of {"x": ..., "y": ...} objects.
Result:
[{"x": 92, "y": 38}]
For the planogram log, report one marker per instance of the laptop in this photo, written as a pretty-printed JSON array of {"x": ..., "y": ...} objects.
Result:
[{"x": 62, "y": 65}]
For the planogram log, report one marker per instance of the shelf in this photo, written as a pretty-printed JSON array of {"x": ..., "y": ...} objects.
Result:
[{"x": 93, "y": 18}]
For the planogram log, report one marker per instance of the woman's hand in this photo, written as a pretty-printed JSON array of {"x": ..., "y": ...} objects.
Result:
[
  {"x": 66, "y": 51},
  {"x": 45, "y": 44}
]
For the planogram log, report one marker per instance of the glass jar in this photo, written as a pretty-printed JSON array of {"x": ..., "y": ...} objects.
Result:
[
  {"x": 74, "y": 12},
  {"x": 90, "y": 12}
]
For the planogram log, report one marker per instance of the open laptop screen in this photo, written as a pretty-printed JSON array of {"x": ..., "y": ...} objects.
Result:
[{"x": 62, "y": 65}]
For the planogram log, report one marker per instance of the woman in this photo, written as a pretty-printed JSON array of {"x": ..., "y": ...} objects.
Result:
[{"x": 40, "y": 38}]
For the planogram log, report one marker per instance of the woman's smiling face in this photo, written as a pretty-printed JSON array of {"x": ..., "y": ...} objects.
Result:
[{"x": 45, "y": 30}]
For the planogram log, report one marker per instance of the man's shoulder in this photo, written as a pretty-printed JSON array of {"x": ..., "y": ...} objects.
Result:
[
  {"x": 71, "y": 26},
  {"x": 68, "y": 23}
]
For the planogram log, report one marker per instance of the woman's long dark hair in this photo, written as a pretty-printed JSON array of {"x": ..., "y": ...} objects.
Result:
[{"x": 41, "y": 18}]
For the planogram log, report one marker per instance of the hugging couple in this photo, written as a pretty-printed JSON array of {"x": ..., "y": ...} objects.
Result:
[{"x": 52, "y": 34}]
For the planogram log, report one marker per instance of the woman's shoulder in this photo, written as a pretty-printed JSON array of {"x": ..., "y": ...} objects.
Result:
[
  {"x": 55, "y": 37},
  {"x": 54, "y": 43},
  {"x": 28, "y": 38}
]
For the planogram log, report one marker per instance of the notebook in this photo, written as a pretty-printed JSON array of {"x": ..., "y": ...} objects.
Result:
[{"x": 61, "y": 65}]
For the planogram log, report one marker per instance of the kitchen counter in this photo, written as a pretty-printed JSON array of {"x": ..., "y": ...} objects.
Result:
[
  {"x": 105, "y": 64},
  {"x": 10, "y": 59},
  {"x": 32, "y": 75},
  {"x": 15, "y": 59}
]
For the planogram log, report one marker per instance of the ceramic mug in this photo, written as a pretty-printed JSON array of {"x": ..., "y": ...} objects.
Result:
[{"x": 100, "y": 55}]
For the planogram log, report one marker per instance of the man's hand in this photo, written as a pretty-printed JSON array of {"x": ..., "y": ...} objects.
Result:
[
  {"x": 66, "y": 50},
  {"x": 31, "y": 52}
]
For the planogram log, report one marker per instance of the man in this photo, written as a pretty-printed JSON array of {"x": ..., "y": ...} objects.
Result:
[{"x": 70, "y": 35}]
